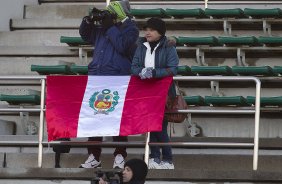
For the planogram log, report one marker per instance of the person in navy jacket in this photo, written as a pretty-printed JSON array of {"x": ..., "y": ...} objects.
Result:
[
  {"x": 114, "y": 39},
  {"x": 156, "y": 57}
]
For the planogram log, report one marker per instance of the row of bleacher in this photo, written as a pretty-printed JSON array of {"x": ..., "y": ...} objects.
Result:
[
  {"x": 190, "y": 100},
  {"x": 182, "y": 70},
  {"x": 208, "y": 12},
  {"x": 207, "y": 40}
]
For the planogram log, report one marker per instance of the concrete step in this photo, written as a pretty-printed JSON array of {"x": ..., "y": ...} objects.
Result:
[
  {"x": 51, "y": 37},
  {"x": 181, "y": 161},
  {"x": 187, "y": 168},
  {"x": 49, "y": 51},
  {"x": 174, "y": 24},
  {"x": 35, "y": 37},
  {"x": 66, "y": 10},
  {"x": 8, "y": 63}
]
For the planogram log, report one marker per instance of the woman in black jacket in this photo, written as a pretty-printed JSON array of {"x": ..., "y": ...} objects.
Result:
[{"x": 135, "y": 172}]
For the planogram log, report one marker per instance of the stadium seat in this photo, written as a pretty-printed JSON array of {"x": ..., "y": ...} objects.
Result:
[
  {"x": 225, "y": 13},
  {"x": 208, "y": 40},
  {"x": 277, "y": 70},
  {"x": 266, "y": 101},
  {"x": 212, "y": 70},
  {"x": 184, "y": 70},
  {"x": 73, "y": 41},
  {"x": 232, "y": 40},
  {"x": 270, "y": 40},
  {"x": 226, "y": 100},
  {"x": 47, "y": 70},
  {"x": 143, "y": 13},
  {"x": 83, "y": 70},
  {"x": 253, "y": 70},
  {"x": 21, "y": 99},
  {"x": 79, "y": 69},
  {"x": 183, "y": 13},
  {"x": 195, "y": 100},
  {"x": 263, "y": 13}
]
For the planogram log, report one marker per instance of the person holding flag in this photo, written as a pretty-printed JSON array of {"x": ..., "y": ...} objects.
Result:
[
  {"x": 114, "y": 36},
  {"x": 156, "y": 57}
]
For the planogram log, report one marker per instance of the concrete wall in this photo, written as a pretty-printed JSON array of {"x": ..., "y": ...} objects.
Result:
[{"x": 12, "y": 9}]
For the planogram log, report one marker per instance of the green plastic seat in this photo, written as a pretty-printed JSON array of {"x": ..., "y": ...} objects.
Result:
[
  {"x": 79, "y": 69},
  {"x": 195, "y": 100},
  {"x": 277, "y": 70},
  {"x": 21, "y": 99},
  {"x": 73, "y": 41},
  {"x": 208, "y": 40},
  {"x": 225, "y": 13},
  {"x": 263, "y": 13},
  {"x": 253, "y": 70},
  {"x": 266, "y": 101},
  {"x": 212, "y": 70},
  {"x": 270, "y": 40},
  {"x": 47, "y": 70},
  {"x": 142, "y": 13},
  {"x": 183, "y": 13},
  {"x": 226, "y": 100},
  {"x": 184, "y": 70},
  {"x": 245, "y": 40}
]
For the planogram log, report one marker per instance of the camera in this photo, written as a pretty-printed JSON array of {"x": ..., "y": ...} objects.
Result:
[
  {"x": 98, "y": 15},
  {"x": 112, "y": 177}
]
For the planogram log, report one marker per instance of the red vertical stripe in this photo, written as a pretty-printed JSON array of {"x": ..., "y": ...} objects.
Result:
[
  {"x": 144, "y": 105},
  {"x": 63, "y": 102}
]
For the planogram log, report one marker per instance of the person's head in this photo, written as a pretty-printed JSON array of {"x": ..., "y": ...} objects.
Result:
[
  {"x": 120, "y": 8},
  {"x": 155, "y": 28},
  {"x": 135, "y": 170}
]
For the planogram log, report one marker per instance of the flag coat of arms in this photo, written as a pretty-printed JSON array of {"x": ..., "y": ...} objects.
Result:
[{"x": 94, "y": 106}]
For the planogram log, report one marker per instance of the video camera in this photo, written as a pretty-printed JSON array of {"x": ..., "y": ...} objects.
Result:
[
  {"x": 98, "y": 15},
  {"x": 112, "y": 177}
]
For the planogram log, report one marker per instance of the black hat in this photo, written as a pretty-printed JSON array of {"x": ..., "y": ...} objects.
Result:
[
  {"x": 156, "y": 24},
  {"x": 139, "y": 169}
]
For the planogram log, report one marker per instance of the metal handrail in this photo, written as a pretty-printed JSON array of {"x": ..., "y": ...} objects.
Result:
[{"x": 186, "y": 78}]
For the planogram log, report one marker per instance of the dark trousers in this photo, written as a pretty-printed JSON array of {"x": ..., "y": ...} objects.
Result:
[
  {"x": 161, "y": 137},
  {"x": 96, "y": 150}
]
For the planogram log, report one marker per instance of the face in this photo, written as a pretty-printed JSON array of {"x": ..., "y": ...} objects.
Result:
[
  {"x": 127, "y": 174},
  {"x": 152, "y": 35}
]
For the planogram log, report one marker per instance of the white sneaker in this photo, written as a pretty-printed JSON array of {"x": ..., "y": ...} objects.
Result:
[
  {"x": 153, "y": 163},
  {"x": 119, "y": 162},
  {"x": 166, "y": 165},
  {"x": 91, "y": 162}
]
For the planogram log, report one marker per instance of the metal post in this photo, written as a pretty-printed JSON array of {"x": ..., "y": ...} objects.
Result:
[
  {"x": 41, "y": 124},
  {"x": 257, "y": 117},
  {"x": 206, "y": 3},
  {"x": 146, "y": 157}
]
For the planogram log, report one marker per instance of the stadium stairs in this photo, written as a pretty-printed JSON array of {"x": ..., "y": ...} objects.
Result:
[{"x": 241, "y": 38}]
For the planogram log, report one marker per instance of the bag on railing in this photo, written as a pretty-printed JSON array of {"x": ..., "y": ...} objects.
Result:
[
  {"x": 173, "y": 104},
  {"x": 58, "y": 149}
]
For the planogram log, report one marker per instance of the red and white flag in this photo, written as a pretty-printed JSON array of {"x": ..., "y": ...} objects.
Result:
[{"x": 91, "y": 106}]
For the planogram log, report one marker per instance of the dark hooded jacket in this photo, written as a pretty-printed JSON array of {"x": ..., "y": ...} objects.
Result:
[{"x": 139, "y": 169}]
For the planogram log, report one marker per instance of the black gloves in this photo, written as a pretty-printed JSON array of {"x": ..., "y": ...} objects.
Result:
[{"x": 107, "y": 22}]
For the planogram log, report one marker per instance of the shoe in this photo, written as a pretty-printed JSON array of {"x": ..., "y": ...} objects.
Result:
[
  {"x": 154, "y": 163},
  {"x": 91, "y": 162},
  {"x": 166, "y": 165},
  {"x": 119, "y": 162}
]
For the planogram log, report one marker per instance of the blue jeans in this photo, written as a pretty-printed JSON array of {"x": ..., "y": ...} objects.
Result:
[{"x": 161, "y": 137}]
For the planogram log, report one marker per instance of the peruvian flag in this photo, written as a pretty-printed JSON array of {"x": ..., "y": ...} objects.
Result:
[{"x": 90, "y": 106}]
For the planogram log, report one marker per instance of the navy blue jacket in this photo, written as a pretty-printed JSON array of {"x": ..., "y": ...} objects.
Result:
[
  {"x": 114, "y": 48},
  {"x": 166, "y": 60}
]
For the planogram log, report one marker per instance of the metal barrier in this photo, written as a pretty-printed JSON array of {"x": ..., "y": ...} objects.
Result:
[{"x": 41, "y": 110}]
